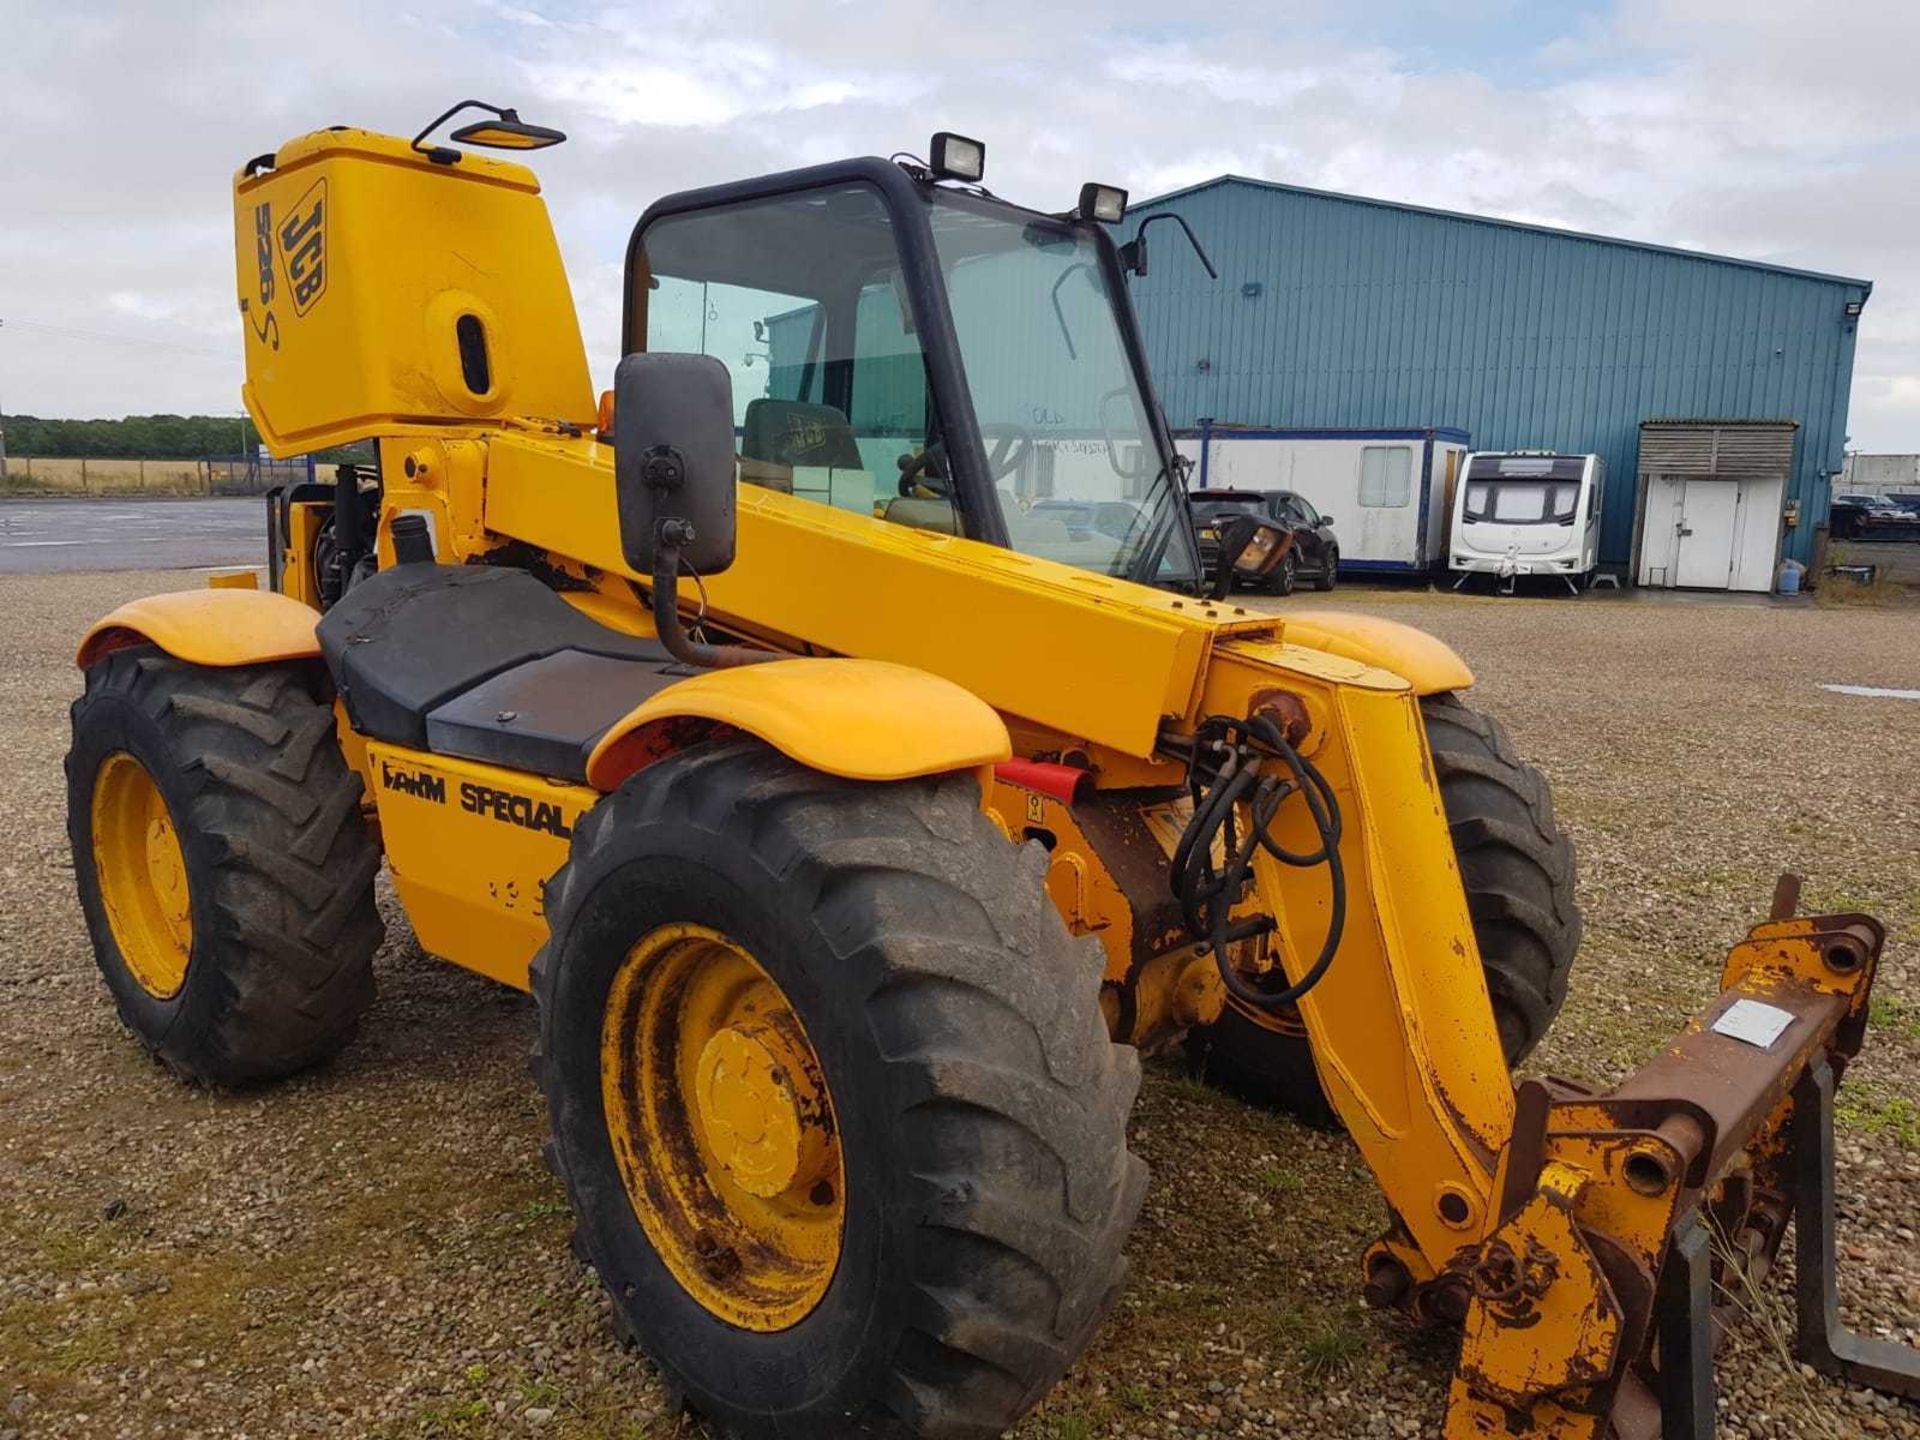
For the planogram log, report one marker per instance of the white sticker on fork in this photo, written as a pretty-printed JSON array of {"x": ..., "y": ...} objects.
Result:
[{"x": 1753, "y": 1022}]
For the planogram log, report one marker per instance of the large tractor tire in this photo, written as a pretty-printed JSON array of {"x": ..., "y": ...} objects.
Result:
[
  {"x": 224, "y": 869},
  {"x": 832, "y": 1098},
  {"x": 1517, "y": 865}
]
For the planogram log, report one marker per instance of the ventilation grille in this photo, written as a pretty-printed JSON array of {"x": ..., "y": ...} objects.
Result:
[{"x": 1717, "y": 447}]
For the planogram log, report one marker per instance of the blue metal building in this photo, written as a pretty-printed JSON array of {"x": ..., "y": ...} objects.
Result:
[{"x": 1337, "y": 312}]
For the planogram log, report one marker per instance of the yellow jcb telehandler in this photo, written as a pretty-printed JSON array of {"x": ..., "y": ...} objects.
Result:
[{"x": 831, "y": 730}]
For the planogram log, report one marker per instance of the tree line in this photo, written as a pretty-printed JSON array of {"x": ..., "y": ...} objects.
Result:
[{"x": 148, "y": 437}]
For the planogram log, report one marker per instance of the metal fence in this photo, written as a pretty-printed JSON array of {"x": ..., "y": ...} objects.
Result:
[
  {"x": 250, "y": 475},
  {"x": 211, "y": 475}
]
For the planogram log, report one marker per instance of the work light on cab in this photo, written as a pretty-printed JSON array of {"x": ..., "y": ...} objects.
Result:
[
  {"x": 1105, "y": 203},
  {"x": 955, "y": 157}
]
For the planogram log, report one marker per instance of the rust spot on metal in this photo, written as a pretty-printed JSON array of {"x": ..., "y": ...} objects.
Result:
[{"x": 1287, "y": 710}]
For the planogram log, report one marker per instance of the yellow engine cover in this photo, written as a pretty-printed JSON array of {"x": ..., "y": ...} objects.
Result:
[{"x": 381, "y": 290}]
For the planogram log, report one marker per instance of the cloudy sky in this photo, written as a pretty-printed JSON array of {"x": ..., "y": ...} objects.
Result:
[{"x": 1787, "y": 130}]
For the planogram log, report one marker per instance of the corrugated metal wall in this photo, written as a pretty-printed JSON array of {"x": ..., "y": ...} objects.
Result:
[{"x": 1332, "y": 311}]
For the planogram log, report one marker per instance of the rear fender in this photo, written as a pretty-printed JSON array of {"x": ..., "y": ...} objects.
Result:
[
  {"x": 861, "y": 719},
  {"x": 209, "y": 627},
  {"x": 1428, "y": 665}
]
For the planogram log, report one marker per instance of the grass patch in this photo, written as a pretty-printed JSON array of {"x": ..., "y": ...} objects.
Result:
[
  {"x": 1284, "y": 1181},
  {"x": 1895, "y": 1015},
  {"x": 1837, "y": 590},
  {"x": 1183, "y": 1084},
  {"x": 1331, "y": 1353},
  {"x": 1866, "y": 1110},
  {"x": 444, "y": 1420}
]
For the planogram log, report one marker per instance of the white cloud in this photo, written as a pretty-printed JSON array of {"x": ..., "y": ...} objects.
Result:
[{"x": 1786, "y": 132}]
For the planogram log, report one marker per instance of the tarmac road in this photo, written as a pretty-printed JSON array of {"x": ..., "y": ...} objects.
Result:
[{"x": 44, "y": 537}]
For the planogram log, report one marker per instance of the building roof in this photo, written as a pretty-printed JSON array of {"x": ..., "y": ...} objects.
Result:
[{"x": 1866, "y": 286}]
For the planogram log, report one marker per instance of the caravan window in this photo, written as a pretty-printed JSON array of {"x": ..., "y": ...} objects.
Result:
[
  {"x": 1386, "y": 476},
  {"x": 1522, "y": 502}
]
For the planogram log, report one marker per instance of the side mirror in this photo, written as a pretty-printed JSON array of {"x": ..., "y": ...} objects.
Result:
[
  {"x": 673, "y": 476},
  {"x": 673, "y": 460},
  {"x": 1324, "y": 521}
]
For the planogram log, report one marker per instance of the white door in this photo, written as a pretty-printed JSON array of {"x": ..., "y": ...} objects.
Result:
[
  {"x": 1705, "y": 551},
  {"x": 1756, "y": 553}
]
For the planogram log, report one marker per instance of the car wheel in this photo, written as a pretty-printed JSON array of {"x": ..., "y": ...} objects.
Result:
[
  {"x": 1284, "y": 574},
  {"x": 1329, "y": 571}
]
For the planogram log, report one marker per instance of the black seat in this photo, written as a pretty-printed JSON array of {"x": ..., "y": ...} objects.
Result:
[
  {"x": 486, "y": 663},
  {"x": 793, "y": 432}
]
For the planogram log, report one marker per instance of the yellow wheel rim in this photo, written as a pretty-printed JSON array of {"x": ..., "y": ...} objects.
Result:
[
  {"x": 723, "y": 1127},
  {"x": 142, "y": 874}
]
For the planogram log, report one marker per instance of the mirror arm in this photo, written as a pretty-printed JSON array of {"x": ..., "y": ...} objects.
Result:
[
  {"x": 1133, "y": 255},
  {"x": 666, "y": 610},
  {"x": 446, "y": 154},
  {"x": 666, "y": 471}
]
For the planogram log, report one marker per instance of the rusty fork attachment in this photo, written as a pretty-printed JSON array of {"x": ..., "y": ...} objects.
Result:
[{"x": 1632, "y": 1225}]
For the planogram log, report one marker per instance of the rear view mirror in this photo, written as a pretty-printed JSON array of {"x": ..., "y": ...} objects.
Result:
[{"x": 673, "y": 460}]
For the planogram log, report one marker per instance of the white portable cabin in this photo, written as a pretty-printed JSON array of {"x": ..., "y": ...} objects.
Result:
[
  {"x": 1529, "y": 512},
  {"x": 1386, "y": 491}
]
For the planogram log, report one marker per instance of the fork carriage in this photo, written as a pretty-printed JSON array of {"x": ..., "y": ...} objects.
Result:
[{"x": 1632, "y": 1220}]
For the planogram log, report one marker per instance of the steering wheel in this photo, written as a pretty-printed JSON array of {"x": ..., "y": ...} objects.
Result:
[
  {"x": 1009, "y": 450},
  {"x": 926, "y": 471}
]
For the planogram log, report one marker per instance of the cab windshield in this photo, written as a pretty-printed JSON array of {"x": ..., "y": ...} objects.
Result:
[
  {"x": 804, "y": 297},
  {"x": 1075, "y": 463}
]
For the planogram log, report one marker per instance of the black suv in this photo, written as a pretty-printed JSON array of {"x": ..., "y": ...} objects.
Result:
[{"x": 1315, "y": 553}]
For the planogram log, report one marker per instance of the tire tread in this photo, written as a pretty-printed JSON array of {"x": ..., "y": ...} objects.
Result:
[
  {"x": 1038, "y": 1070},
  {"x": 290, "y": 884}
]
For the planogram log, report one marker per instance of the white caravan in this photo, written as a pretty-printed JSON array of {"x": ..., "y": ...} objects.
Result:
[{"x": 1528, "y": 512}]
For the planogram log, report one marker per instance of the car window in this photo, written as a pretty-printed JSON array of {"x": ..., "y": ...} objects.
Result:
[{"x": 1204, "y": 508}]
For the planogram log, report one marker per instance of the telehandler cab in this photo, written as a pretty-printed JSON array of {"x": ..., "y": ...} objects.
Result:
[{"x": 829, "y": 730}]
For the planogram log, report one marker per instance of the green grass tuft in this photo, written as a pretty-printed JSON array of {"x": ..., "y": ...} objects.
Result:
[{"x": 1331, "y": 1352}]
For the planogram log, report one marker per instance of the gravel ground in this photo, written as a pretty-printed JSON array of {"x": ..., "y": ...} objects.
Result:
[{"x": 374, "y": 1249}]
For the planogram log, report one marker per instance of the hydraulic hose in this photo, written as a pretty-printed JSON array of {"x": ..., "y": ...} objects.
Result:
[{"x": 1241, "y": 783}]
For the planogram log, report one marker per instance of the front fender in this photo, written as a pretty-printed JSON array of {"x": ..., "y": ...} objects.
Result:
[
  {"x": 209, "y": 627},
  {"x": 1427, "y": 664},
  {"x": 861, "y": 719}
]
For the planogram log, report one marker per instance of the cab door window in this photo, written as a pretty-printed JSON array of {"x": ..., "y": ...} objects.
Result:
[{"x": 796, "y": 296}]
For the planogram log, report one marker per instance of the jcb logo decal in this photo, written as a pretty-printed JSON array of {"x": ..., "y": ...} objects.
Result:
[{"x": 303, "y": 247}]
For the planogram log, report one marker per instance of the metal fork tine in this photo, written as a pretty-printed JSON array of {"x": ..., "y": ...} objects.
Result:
[
  {"x": 1823, "y": 1342},
  {"x": 1686, "y": 1334}
]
